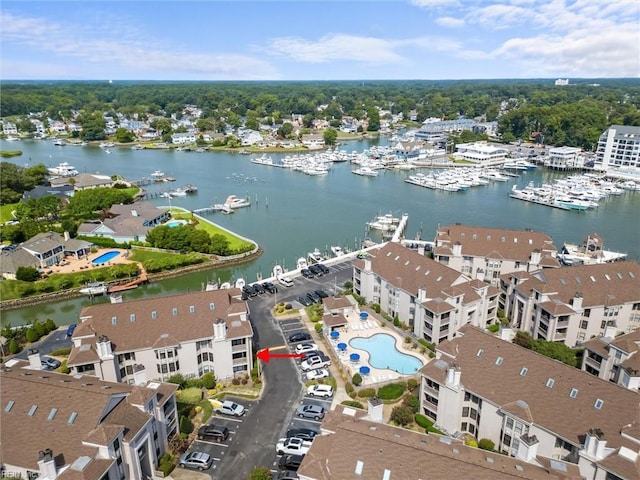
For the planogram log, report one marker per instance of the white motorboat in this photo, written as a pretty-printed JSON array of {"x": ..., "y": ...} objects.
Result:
[
  {"x": 240, "y": 283},
  {"x": 234, "y": 201},
  {"x": 211, "y": 286},
  {"x": 263, "y": 160},
  {"x": 365, "y": 171},
  {"x": 315, "y": 256},
  {"x": 63, "y": 170},
  {"x": 337, "y": 250},
  {"x": 60, "y": 143},
  {"x": 384, "y": 223},
  {"x": 106, "y": 145},
  {"x": 277, "y": 271},
  {"x": 158, "y": 175},
  {"x": 301, "y": 263},
  {"x": 179, "y": 192},
  {"x": 97, "y": 288}
]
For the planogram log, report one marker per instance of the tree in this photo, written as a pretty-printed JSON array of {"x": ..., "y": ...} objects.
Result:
[
  {"x": 260, "y": 473},
  {"x": 412, "y": 402},
  {"x": 357, "y": 379},
  {"x": 401, "y": 415},
  {"x": 486, "y": 444},
  {"x": 14, "y": 346},
  {"x": 523, "y": 339},
  {"x": 125, "y": 136},
  {"x": 330, "y": 135},
  {"x": 27, "y": 274},
  {"x": 208, "y": 380},
  {"x": 285, "y": 130}
]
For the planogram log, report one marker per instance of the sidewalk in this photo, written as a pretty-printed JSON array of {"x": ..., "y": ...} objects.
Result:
[{"x": 184, "y": 474}]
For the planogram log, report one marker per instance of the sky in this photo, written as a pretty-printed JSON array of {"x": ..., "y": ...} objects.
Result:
[{"x": 318, "y": 40}]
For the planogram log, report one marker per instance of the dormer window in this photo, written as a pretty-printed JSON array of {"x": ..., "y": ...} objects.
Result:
[
  {"x": 175, "y": 311},
  {"x": 192, "y": 309}
]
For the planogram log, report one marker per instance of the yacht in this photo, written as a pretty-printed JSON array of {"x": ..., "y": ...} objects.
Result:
[
  {"x": 63, "y": 170},
  {"x": 211, "y": 286},
  {"x": 301, "y": 263},
  {"x": 365, "y": 171},
  {"x": 277, "y": 271},
  {"x": 263, "y": 160},
  {"x": 233, "y": 201},
  {"x": 384, "y": 222},
  {"x": 337, "y": 250},
  {"x": 97, "y": 288},
  {"x": 240, "y": 283},
  {"x": 60, "y": 143},
  {"x": 158, "y": 175},
  {"x": 315, "y": 256},
  {"x": 106, "y": 145}
]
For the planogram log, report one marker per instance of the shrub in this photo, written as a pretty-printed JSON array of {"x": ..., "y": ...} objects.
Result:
[
  {"x": 288, "y": 306},
  {"x": 27, "y": 274},
  {"x": 348, "y": 387},
  {"x": 407, "y": 339},
  {"x": 208, "y": 380},
  {"x": 412, "y": 402},
  {"x": 32, "y": 335},
  {"x": 396, "y": 322},
  {"x": 236, "y": 381},
  {"x": 14, "y": 347},
  {"x": 185, "y": 425},
  {"x": 61, "y": 352},
  {"x": 375, "y": 307},
  {"x": 50, "y": 325},
  {"x": 353, "y": 403},
  {"x": 412, "y": 384},
  {"x": 319, "y": 327},
  {"x": 260, "y": 473},
  {"x": 494, "y": 328},
  {"x": 63, "y": 367},
  {"x": 423, "y": 421},
  {"x": 486, "y": 444},
  {"x": 193, "y": 383},
  {"x": 392, "y": 391},
  {"x": 190, "y": 396},
  {"x": 471, "y": 442},
  {"x": 401, "y": 415},
  {"x": 166, "y": 464},
  {"x": 367, "y": 392},
  {"x": 178, "y": 379},
  {"x": 357, "y": 379}
]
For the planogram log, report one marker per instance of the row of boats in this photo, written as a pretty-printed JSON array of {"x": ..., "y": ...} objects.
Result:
[
  {"x": 459, "y": 179},
  {"x": 575, "y": 192}
]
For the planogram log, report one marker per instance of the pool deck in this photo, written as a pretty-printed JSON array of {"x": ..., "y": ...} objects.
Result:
[
  {"x": 72, "y": 264},
  {"x": 358, "y": 328}
]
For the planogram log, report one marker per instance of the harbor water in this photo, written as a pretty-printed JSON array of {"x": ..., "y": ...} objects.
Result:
[{"x": 292, "y": 213}]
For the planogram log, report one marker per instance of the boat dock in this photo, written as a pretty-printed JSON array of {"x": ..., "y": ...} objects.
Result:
[
  {"x": 399, "y": 231},
  {"x": 540, "y": 202},
  {"x": 141, "y": 279}
]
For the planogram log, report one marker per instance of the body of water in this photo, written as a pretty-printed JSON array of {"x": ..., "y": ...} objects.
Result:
[{"x": 292, "y": 213}]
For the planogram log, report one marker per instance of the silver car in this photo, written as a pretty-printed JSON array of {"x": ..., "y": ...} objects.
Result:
[
  {"x": 197, "y": 460},
  {"x": 310, "y": 411}
]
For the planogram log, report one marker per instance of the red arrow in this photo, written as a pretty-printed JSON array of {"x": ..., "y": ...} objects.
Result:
[{"x": 265, "y": 355}]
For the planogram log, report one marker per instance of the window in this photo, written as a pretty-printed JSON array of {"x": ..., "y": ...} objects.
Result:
[
  {"x": 550, "y": 382},
  {"x": 465, "y": 411},
  {"x": 598, "y": 404},
  {"x": 587, "y": 312},
  {"x": 573, "y": 393},
  {"x": 175, "y": 311},
  {"x": 154, "y": 314},
  {"x": 584, "y": 324},
  {"x": 192, "y": 309},
  {"x": 524, "y": 371},
  {"x": 132, "y": 317}
]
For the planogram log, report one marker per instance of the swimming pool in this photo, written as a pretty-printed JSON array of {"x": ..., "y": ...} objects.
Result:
[
  {"x": 384, "y": 354},
  {"x": 105, "y": 257},
  {"x": 175, "y": 223}
]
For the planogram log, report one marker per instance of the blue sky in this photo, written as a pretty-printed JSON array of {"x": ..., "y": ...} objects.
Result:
[{"x": 319, "y": 40}]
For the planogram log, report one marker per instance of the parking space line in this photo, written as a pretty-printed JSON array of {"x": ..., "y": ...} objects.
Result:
[
  {"x": 212, "y": 443},
  {"x": 226, "y": 418}
]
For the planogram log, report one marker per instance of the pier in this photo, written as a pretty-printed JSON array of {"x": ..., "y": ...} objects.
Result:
[{"x": 399, "y": 231}]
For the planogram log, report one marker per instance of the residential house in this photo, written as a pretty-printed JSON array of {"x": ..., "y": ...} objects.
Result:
[
  {"x": 9, "y": 128},
  {"x": 618, "y": 147},
  {"x": 312, "y": 140},
  {"x": 40, "y": 129},
  {"x": 564, "y": 158},
  {"x": 481, "y": 153},
  {"x": 65, "y": 427},
  {"x": 188, "y": 334},
  {"x": 62, "y": 190},
  {"x": 83, "y": 181},
  {"x": 573, "y": 304},
  {"x": 249, "y": 137},
  {"x": 531, "y": 406},
  {"x": 488, "y": 253},
  {"x": 183, "y": 138},
  {"x": 433, "y": 300},
  {"x": 129, "y": 223},
  {"x": 614, "y": 358},
  {"x": 386, "y": 452}
]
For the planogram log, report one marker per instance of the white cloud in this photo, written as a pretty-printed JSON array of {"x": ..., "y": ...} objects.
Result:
[
  {"x": 434, "y": 3},
  {"x": 450, "y": 22}
]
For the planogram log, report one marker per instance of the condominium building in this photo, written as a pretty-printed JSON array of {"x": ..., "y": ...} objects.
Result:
[
  {"x": 614, "y": 358},
  {"x": 65, "y": 427},
  {"x": 487, "y": 253},
  {"x": 481, "y": 153},
  {"x": 434, "y": 300},
  {"x": 618, "y": 147},
  {"x": 155, "y": 338},
  {"x": 573, "y": 304},
  {"x": 532, "y": 407},
  {"x": 564, "y": 158},
  {"x": 355, "y": 446}
]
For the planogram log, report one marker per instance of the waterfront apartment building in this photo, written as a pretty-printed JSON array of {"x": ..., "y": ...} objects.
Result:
[
  {"x": 573, "y": 304},
  {"x": 481, "y": 153},
  {"x": 564, "y": 158},
  {"x": 432, "y": 299},
  {"x": 57, "y": 426},
  {"x": 488, "y": 253},
  {"x": 532, "y": 407},
  {"x": 614, "y": 358},
  {"x": 386, "y": 452},
  {"x": 155, "y": 338},
  {"x": 618, "y": 147}
]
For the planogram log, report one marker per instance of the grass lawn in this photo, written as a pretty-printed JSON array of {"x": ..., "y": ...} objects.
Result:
[
  {"x": 5, "y": 212},
  {"x": 235, "y": 243}
]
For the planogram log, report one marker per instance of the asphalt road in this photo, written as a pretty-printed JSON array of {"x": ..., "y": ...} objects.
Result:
[{"x": 54, "y": 341}]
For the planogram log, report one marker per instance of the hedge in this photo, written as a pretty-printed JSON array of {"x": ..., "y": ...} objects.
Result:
[
  {"x": 367, "y": 392},
  {"x": 392, "y": 391},
  {"x": 353, "y": 403},
  {"x": 191, "y": 396}
]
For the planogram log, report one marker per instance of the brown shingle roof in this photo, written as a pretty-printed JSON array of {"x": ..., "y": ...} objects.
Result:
[{"x": 186, "y": 325}]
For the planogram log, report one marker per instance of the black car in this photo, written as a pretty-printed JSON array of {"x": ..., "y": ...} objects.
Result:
[
  {"x": 314, "y": 297},
  {"x": 304, "y": 433},
  {"x": 299, "y": 337},
  {"x": 305, "y": 301},
  {"x": 269, "y": 287},
  {"x": 258, "y": 288},
  {"x": 217, "y": 433},
  {"x": 323, "y": 268},
  {"x": 316, "y": 270},
  {"x": 290, "y": 462},
  {"x": 288, "y": 475},
  {"x": 306, "y": 273},
  {"x": 250, "y": 290},
  {"x": 321, "y": 293}
]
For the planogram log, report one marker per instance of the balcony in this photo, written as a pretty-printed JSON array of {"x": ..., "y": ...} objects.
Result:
[{"x": 239, "y": 348}]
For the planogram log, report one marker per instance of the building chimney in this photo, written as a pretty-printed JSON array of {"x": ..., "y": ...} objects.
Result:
[
  {"x": 367, "y": 264},
  {"x": 453, "y": 375},
  {"x": 34, "y": 359},
  {"x": 577, "y": 302},
  {"x": 528, "y": 448},
  {"x": 610, "y": 330},
  {"x": 139, "y": 374},
  {"x": 594, "y": 444},
  {"x": 536, "y": 256},
  {"x": 480, "y": 274},
  {"x": 219, "y": 329},
  {"x": 47, "y": 465},
  {"x": 375, "y": 409},
  {"x": 457, "y": 249},
  {"x": 66, "y": 236},
  {"x": 104, "y": 348},
  {"x": 506, "y": 333},
  {"x": 422, "y": 294}
]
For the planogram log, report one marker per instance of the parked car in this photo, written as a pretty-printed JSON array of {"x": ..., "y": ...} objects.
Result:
[
  {"x": 321, "y": 293},
  {"x": 197, "y": 460},
  {"x": 313, "y": 296},
  {"x": 292, "y": 445},
  {"x": 306, "y": 273},
  {"x": 310, "y": 411},
  {"x": 49, "y": 363},
  {"x": 258, "y": 288},
  {"x": 269, "y": 287},
  {"x": 299, "y": 337},
  {"x": 287, "y": 282},
  {"x": 288, "y": 475},
  {"x": 317, "y": 374},
  {"x": 290, "y": 462},
  {"x": 70, "y": 329},
  {"x": 315, "y": 362},
  {"x": 323, "y": 268},
  {"x": 219, "y": 433},
  {"x": 303, "y": 433},
  {"x": 316, "y": 270},
  {"x": 228, "y": 408},
  {"x": 311, "y": 353},
  {"x": 320, "y": 390},
  {"x": 306, "y": 347},
  {"x": 305, "y": 301},
  {"x": 250, "y": 290}
]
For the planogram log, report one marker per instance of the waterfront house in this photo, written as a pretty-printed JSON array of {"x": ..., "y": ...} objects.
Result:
[
  {"x": 432, "y": 299},
  {"x": 9, "y": 128},
  {"x": 356, "y": 445},
  {"x": 84, "y": 181},
  {"x": 488, "y": 253},
  {"x": 188, "y": 334},
  {"x": 532, "y": 407},
  {"x": 312, "y": 140},
  {"x": 614, "y": 358},
  {"x": 573, "y": 304},
  {"x": 183, "y": 138},
  {"x": 481, "y": 153},
  {"x": 564, "y": 158},
  {"x": 57, "y": 426},
  {"x": 619, "y": 147}
]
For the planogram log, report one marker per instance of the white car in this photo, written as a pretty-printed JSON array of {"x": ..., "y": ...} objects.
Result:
[
  {"x": 228, "y": 408},
  {"x": 317, "y": 374},
  {"x": 306, "y": 347},
  {"x": 320, "y": 390},
  {"x": 315, "y": 362}
]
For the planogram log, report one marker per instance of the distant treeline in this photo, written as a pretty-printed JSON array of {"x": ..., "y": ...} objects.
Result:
[{"x": 575, "y": 114}]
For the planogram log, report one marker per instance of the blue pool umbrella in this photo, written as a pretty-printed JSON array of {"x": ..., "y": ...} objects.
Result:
[
  {"x": 354, "y": 357},
  {"x": 342, "y": 346},
  {"x": 364, "y": 370},
  {"x": 364, "y": 316},
  {"x": 335, "y": 334}
]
